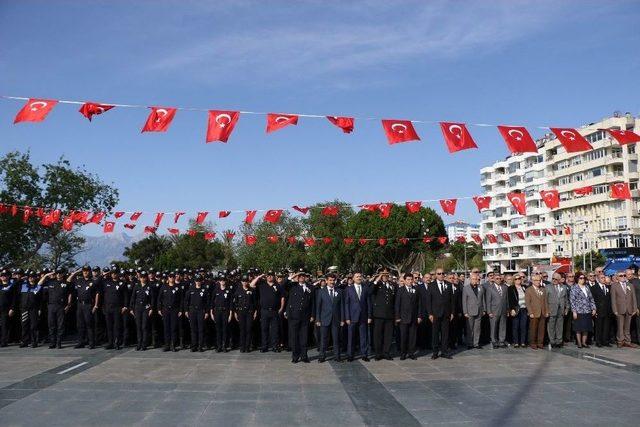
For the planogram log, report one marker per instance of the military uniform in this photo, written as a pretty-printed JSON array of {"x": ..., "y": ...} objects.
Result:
[
  {"x": 383, "y": 301},
  {"x": 299, "y": 311},
  {"x": 155, "y": 320},
  {"x": 221, "y": 307},
  {"x": 57, "y": 296},
  {"x": 30, "y": 306},
  {"x": 141, "y": 305},
  {"x": 86, "y": 292},
  {"x": 114, "y": 300},
  {"x": 170, "y": 306},
  {"x": 196, "y": 303},
  {"x": 7, "y": 301},
  {"x": 244, "y": 307},
  {"x": 269, "y": 297}
]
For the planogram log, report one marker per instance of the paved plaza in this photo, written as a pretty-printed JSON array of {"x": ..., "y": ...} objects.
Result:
[{"x": 71, "y": 387}]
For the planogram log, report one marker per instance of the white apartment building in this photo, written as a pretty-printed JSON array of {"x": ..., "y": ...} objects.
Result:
[
  {"x": 462, "y": 229},
  {"x": 596, "y": 221}
]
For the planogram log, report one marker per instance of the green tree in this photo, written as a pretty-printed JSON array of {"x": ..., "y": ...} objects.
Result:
[
  {"x": 193, "y": 251},
  {"x": 52, "y": 186},
  {"x": 474, "y": 255},
  {"x": 321, "y": 255},
  {"x": 594, "y": 258},
  {"x": 147, "y": 252}
]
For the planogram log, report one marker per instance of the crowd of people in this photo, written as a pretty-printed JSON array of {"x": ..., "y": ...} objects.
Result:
[{"x": 350, "y": 315}]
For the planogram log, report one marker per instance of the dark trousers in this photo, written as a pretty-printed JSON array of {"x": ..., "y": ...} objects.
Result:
[
  {"x": 519, "y": 327},
  {"x": 245, "y": 324},
  {"x": 567, "y": 327},
  {"x": 126, "y": 327},
  {"x": 183, "y": 330},
  {"x": 196, "y": 323},
  {"x": 408, "y": 338},
  {"x": 602, "y": 329},
  {"x": 170, "y": 321},
  {"x": 382, "y": 335},
  {"x": 99, "y": 326},
  {"x": 456, "y": 330},
  {"x": 4, "y": 327},
  {"x": 142, "y": 326},
  {"x": 84, "y": 317},
  {"x": 334, "y": 328},
  {"x": 362, "y": 329},
  {"x": 113, "y": 321},
  {"x": 298, "y": 337},
  {"x": 29, "y": 325},
  {"x": 55, "y": 319},
  {"x": 536, "y": 330},
  {"x": 440, "y": 334},
  {"x": 269, "y": 329},
  {"x": 222, "y": 327}
]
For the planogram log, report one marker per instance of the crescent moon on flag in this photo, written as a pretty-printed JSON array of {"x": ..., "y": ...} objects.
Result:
[
  {"x": 160, "y": 113},
  {"x": 457, "y": 134},
  {"x": 398, "y": 125},
  {"x": 222, "y": 116},
  {"x": 99, "y": 110},
  {"x": 35, "y": 106},
  {"x": 281, "y": 119},
  {"x": 517, "y": 132},
  {"x": 568, "y": 134}
]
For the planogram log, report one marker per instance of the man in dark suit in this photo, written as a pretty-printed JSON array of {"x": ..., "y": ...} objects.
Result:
[
  {"x": 383, "y": 294},
  {"x": 299, "y": 314},
  {"x": 408, "y": 316},
  {"x": 440, "y": 308},
  {"x": 358, "y": 316},
  {"x": 329, "y": 316},
  {"x": 602, "y": 298}
]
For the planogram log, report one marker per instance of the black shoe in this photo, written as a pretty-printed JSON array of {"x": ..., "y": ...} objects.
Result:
[
  {"x": 403, "y": 357},
  {"x": 118, "y": 347},
  {"x": 388, "y": 357},
  {"x": 201, "y": 350},
  {"x": 469, "y": 347},
  {"x": 350, "y": 359},
  {"x": 92, "y": 346},
  {"x": 263, "y": 350},
  {"x": 59, "y": 346},
  {"x": 165, "y": 348},
  {"x": 338, "y": 359},
  {"x": 321, "y": 360},
  {"x": 23, "y": 345},
  {"x": 477, "y": 347},
  {"x": 295, "y": 360},
  {"x": 108, "y": 347},
  {"x": 143, "y": 348},
  {"x": 434, "y": 356},
  {"x": 175, "y": 349},
  {"x": 446, "y": 355},
  {"x": 193, "y": 349},
  {"x": 378, "y": 358},
  {"x": 305, "y": 360},
  {"x": 79, "y": 346},
  {"x": 34, "y": 345},
  {"x": 413, "y": 357},
  {"x": 365, "y": 359},
  {"x": 52, "y": 346}
]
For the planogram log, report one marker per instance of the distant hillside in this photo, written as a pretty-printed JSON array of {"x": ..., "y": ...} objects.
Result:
[{"x": 100, "y": 250}]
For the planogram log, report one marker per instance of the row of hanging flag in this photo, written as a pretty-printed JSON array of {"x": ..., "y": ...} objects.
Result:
[{"x": 221, "y": 124}]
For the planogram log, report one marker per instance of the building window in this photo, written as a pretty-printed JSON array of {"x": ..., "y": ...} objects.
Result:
[{"x": 631, "y": 148}]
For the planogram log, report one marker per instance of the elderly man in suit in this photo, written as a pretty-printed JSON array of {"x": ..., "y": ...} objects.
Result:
[
  {"x": 602, "y": 297},
  {"x": 473, "y": 309},
  {"x": 329, "y": 317},
  {"x": 408, "y": 315},
  {"x": 358, "y": 315},
  {"x": 624, "y": 305},
  {"x": 536, "y": 302},
  {"x": 439, "y": 306},
  {"x": 558, "y": 307},
  {"x": 496, "y": 306},
  {"x": 635, "y": 285}
]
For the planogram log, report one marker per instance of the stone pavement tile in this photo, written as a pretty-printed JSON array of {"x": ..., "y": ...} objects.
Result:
[
  {"x": 21, "y": 366},
  {"x": 189, "y": 395},
  {"x": 164, "y": 419},
  {"x": 429, "y": 416},
  {"x": 136, "y": 406},
  {"x": 182, "y": 406}
]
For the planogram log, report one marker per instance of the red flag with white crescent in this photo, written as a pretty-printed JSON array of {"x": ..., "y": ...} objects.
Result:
[
  {"x": 159, "y": 119},
  {"x": 135, "y": 216},
  {"x": 403, "y": 240},
  {"x": 491, "y": 238},
  {"x": 583, "y": 191},
  {"x": 201, "y": 217},
  {"x": 35, "y": 110},
  {"x": 348, "y": 240},
  {"x": 449, "y": 206},
  {"x": 442, "y": 240},
  {"x": 413, "y": 207},
  {"x": 461, "y": 239},
  {"x": 385, "y": 209},
  {"x": 173, "y": 230},
  {"x": 382, "y": 241},
  {"x": 158, "y": 219},
  {"x": 571, "y": 140},
  {"x": 224, "y": 214},
  {"x": 309, "y": 241},
  {"x": 250, "y": 239},
  {"x": 278, "y": 121},
  {"x": 176, "y": 216},
  {"x": 292, "y": 240},
  {"x": 273, "y": 215},
  {"x": 90, "y": 109},
  {"x": 482, "y": 202},
  {"x": 457, "y": 136},
  {"x": 302, "y": 210},
  {"x": 108, "y": 227},
  {"x": 551, "y": 198},
  {"x": 130, "y": 226},
  {"x": 327, "y": 240},
  {"x": 398, "y": 131},
  {"x": 150, "y": 230},
  {"x": 330, "y": 210},
  {"x": 505, "y": 237},
  {"x": 363, "y": 241},
  {"x": 623, "y": 136},
  {"x": 209, "y": 235},
  {"x": 519, "y": 202},
  {"x": 344, "y": 123},
  {"x": 221, "y": 124},
  {"x": 229, "y": 235},
  {"x": 621, "y": 191},
  {"x": 518, "y": 139},
  {"x": 520, "y": 235},
  {"x": 477, "y": 238},
  {"x": 250, "y": 215}
]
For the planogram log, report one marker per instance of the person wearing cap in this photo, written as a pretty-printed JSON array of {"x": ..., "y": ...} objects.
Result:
[
  {"x": 330, "y": 317},
  {"x": 183, "y": 322},
  {"x": 271, "y": 303},
  {"x": 156, "y": 322},
  {"x": 98, "y": 276},
  {"x": 58, "y": 295},
  {"x": 7, "y": 302},
  {"x": 87, "y": 298},
  {"x": 244, "y": 311},
  {"x": 115, "y": 301},
  {"x": 284, "y": 283},
  {"x": 31, "y": 309},
  {"x": 141, "y": 306},
  {"x": 299, "y": 314},
  {"x": 170, "y": 309},
  {"x": 128, "y": 323},
  {"x": 195, "y": 307},
  {"x": 383, "y": 294},
  {"x": 221, "y": 313}
]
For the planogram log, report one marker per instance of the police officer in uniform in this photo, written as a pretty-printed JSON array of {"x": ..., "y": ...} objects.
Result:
[
  {"x": 155, "y": 321},
  {"x": 221, "y": 313},
  {"x": 30, "y": 307},
  {"x": 299, "y": 314},
  {"x": 87, "y": 299},
  {"x": 383, "y": 300},
  {"x": 183, "y": 321},
  {"x": 141, "y": 305},
  {"x": 196, "y": 302},
  {"x": 114, "y": 305},
  {"x": 170, "y": 308},
  {"x": 271, "y": 302},
  {"x": 244, "y": 309},
  {"x": 58, "y": 296},
  {"x": 128, "y": 323},
  {"x": 7, "y": 301}
]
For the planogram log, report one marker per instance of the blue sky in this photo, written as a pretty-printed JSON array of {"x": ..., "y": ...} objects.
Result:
[{"x": 514, "y": 62}]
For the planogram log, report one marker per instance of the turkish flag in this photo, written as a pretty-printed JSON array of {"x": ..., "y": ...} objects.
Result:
[
  {"x": 173, "y": 230},
  {"x": 224, "y": 214},
  {"x": 248, "y": 219},
  {"x": 221, "y": 124},
  {"x": 40, "y": 212},
  {"x": 158, "y": 219},
  {"x": 535, "y": 232},
  {"x": 35, "y": 110},
  {"x": 150, "y": 230},
  {"x": 492, "y": 238},
  {"x": 550, "y": 231},
  {"x": 518, "y": 139},
  {"x": 442, "y": 240},
  {"x": 482, "y": 202},
  {"x": 551, "y": 198},
  {"x": 623, "y": 136},
  {"x": 176, "y": 216},
  {"x": 159, "y": 119},
  {"x": 567, "y": 230},
  {"x": 46, "y": 220},
  {"x": 108, "y": 226},
  {"x": 363, "y": 241},
  {"x": 272, "y": 239},
  {"x": 348, "y": 240},
  {"x": 371, "y": 207},
  {"x": 26, "y": 214},
  {"x": 90, "y": 109},
  {"x": 477, "y": 238},
  {"x": 130, "y": 226},
  {"x": 14, "y": 210},
  {"x": 403, "y": 240},
  {"x": 309, "y": 241},
  {"x": 229, "y": 235},
  {"x": 135, "y": 216},
  {"x": 519, "y": 202},
  {"x": 327, "y": 240},
  {"x": 427, "y": 239},
  {"x": 505, "y": 237},
  {"x": 457, "y": 136},
  {"x": 382, "y": 241},
  {"x": 97, "y": 217},
  {"x": 344, "y": 123},
  {"x": 273, "y": 215},
  {"x": 449, "y": 206},
  {"x": 209, "y": 236},
  {"x": 461, "y": 239},
  {"x": 278, "y": 121},
  {"x": 583, "y": 191},
  {"x": 385, "y": 210},
  {"x": 399, "y": 131},
  {"x": 520, "y": 235},
  {"x": 571, "y": 140},
  {"x": 55, "y": 215},
  {"x": 192, "y": 232},
  {"x": 301, "y": 210},
  {"x": 620, "y": 190},
  {"x": 81, "y": 217},
  {"x": 413, "y": 207},
  {"x": 330, "y": 210},
  {"x": 292, "y": 240},
  {"x": 118, "y": 214},
  {"x": 201, "y": 217}
]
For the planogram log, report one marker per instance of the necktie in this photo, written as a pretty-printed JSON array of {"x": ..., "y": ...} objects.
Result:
[
  {"x": 358, "y": 291},
  {"x": 440, "y": 286},
  {"x": 499, "y": 289},
  {"x": 624, "y": 287}
]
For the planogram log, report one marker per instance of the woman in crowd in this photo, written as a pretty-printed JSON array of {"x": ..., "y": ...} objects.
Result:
[
  {"x": 583, "y": 308},
  {"x": 518, "y": 312}
]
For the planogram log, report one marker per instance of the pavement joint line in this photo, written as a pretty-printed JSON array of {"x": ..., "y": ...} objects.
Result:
[
  {"x": 72, "y": 368},
  {"x": 586, "y": 356},
  {"x": 599, "y": 359}
]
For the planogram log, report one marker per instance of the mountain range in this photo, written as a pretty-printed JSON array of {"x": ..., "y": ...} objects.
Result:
[{"x": 101, "y": 250}]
